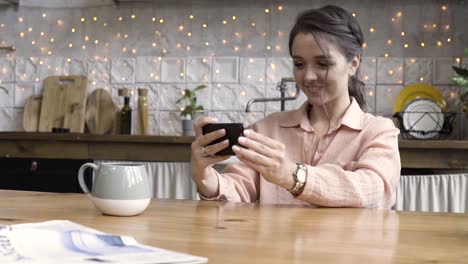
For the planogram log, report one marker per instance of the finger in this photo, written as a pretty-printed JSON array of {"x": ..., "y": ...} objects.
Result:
[
  {"x": 201, "y": 122},
  {"x": 262, "y": 139},
  {"x": 212, "y": 136},
  {"x": 256, "y": 146},
  {"x": 251, "y": 156},
  {"x": 215, "y": 148}
]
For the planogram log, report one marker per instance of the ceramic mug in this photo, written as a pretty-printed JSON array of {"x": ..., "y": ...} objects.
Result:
[{"x": 120, "y": 189}]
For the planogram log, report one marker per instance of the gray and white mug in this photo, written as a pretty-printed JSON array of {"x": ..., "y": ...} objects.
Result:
[{"x": 121, "y": 189}]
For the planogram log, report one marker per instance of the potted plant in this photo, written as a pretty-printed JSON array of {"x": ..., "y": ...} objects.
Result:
[
  {"x": 461, "y": 79},
  {"x": 191, "y": 108}
]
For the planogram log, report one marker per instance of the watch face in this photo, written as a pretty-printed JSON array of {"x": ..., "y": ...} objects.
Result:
[{"x": 301, "y": 175}]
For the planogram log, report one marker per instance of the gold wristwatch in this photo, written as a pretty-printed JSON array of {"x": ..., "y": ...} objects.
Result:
[{"x": 300, "y": 176}]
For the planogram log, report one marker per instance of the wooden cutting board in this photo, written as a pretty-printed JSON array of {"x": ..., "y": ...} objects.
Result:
[
  {"x": 100, "y": 112},
  {"x": 63, "y": 103},
  {"x": 31, "y": 113}
]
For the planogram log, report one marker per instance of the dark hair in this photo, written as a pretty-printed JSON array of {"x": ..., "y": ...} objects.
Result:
[{"x": 339, "y": 27}]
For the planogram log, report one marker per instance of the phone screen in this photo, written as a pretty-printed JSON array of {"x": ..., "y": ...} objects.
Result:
[{"x": 233, "y": 132}]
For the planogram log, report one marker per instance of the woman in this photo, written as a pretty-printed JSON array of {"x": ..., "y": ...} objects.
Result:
[{"x": 326, "y": 153}]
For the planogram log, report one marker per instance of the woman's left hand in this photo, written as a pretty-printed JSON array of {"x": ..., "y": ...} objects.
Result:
[{"x": 266, "y": 156}]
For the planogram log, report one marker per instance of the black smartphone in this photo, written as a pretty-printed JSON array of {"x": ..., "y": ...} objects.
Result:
[{"x": 233, "y": 132}]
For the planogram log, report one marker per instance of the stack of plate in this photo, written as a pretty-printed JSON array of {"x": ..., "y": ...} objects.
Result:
[{"x": 421, "y": 107}]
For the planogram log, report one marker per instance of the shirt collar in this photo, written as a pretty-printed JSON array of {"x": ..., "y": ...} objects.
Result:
[{"x": 352, "y": 118}]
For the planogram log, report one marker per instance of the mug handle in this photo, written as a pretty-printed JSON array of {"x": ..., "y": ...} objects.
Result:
[{"x": 81, "y": 173}]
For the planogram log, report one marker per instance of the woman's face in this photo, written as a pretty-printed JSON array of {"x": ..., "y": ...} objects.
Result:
[{"x": 310, "y": 68}]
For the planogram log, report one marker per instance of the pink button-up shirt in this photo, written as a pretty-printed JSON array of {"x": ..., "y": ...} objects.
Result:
[{"x": 356, "y": 164}]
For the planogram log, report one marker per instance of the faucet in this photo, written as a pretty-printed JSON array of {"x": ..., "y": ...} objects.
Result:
[{"x": 282, "y": 87}]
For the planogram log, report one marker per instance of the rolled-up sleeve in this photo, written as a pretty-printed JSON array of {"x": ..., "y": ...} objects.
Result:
[{"x": 372, "y": 180}]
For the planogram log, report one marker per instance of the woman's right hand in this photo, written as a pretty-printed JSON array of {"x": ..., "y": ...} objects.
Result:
[{"x": 202, "y": 157}]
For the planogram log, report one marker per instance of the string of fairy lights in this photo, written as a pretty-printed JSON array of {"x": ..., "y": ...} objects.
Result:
[{"x": 47, "y": 42}]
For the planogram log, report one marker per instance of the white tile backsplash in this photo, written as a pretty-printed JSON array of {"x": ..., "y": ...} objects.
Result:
[
  {"x": 26, "y": 69},
  {"x": 277, "y": 68},
  {"x": 22, "y": 92},
  {"x": 123, "y": 70},
  {"x": 6, "y": 115},
  {"x": 171, "y": 93},
  {"x": 7, "y": 70},
  {"x": 225, "y": 97},
  {"x": 252, "y": 70},
  {"x": 386, "y": 95},
  {"x": 225, "y": 70},
  {"x": 148, "y": 69},
  {"x": 443, "y": 70},
  {"x": 7, "y": 95},
  {"x": 368, "y": 69},
  {"x": 173, "y": 70},
  {"x": 169, "y": 123},
  {"x": 418, "y": 70},
  {"x": 390, "y": 70},
  {"x": 251, "y": 91},
  {"x": 198, "y": 69}
]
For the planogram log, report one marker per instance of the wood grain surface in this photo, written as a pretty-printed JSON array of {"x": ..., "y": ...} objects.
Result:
[
  {"x": 63, "y": 103},
  {"x": 31, "y": 113},
  {"x": 100, "y": 112},
  {"x": 248, "y": 233}
]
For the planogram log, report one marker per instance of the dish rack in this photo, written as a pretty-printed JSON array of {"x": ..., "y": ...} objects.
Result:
[{"x": 440, "y": 132}]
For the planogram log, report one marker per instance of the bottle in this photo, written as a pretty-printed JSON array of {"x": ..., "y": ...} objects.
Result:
[
  {"x": 142, "y": 112},
  {"x": 126, "y": 117}
]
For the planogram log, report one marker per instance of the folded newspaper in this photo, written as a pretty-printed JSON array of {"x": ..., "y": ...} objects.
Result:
[{"x": 62, "y": 241}]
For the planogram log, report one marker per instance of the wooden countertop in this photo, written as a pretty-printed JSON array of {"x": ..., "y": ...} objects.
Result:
[
  {"x": 249, "y": 233},
  {"x": 428, "y": 154}
]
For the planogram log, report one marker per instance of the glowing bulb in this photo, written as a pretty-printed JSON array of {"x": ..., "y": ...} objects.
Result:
[
  {"x": 189, "y": 34},
  {"x": 204, "y": 25},
  {"x": 393, "y": 19},
  {"x": 423, "y": 44},
  {"x": 181, "y": 28},
  {"x": 457, "y": 60},
  {"x": 406, "y": 45},
  {"x": 354, "y": 14},
  {"x": 134, "y": 51},
  {"x": 207, "y": 43},
  {"x": 366, "y": 78},
  {"x": 87, "y": 38},
  {"x": 33, "y": 42},
  {"x": 50, "y": 52},
  {"x": 41, "y": 62},
  {"x": 280, "y": 8},
  {"x": 154, "y": 45},
  {"x": 390, "y": 72},
  {"x": 249, "y": 46},
  {"x": 73, "y": 30},
  {"x": 51, "y": 39},
  {"x": 188, "y": 48},
  {"x": 133, "y": 16},
  {"x": 60, "y": 22},
  {"x": 70, "y": 45},
  {"x": 434, "y": 25},
  {"x": 204, "y": 60},
  {"x": 253, "y": 24},
  {"x": 386, "y": 55},
  {"x": 191, "y": 16},
  {"x": 389, "y": 42},
  {"x": 44, "y": 14},
  {"x": 42, "y": 33},
  {"x": 224, "y": 22},
  {"x": 234, "y": 17},
  {"x": 83, "y": 47},
  {"x": 82, "y": 19},
  {"x": 364, "y": 45},
  {"x": 413, "y": 60},
  {"x": 120, "y": 18},
  {"x": 153, "y": 19},
  {"x": 20, "y": 19},
  {"x": 21, "y": 34},
  {"x": 95, "y": 18},
  {"x": 447, "y": 27},
  {"x": 402, "y": 33},
  {"x": 267, "y": 10},
  {"x": 439, "y": 43},
  {"x": 224, "y": 41},
  {"x": 371, "y": 30},
  {"x": 268, "y": 47},
  {"x": 30, "y": 29},
  {"x": 421, "y": 79},
  {"x": 96, "y": 41},
  {"x": 161, "y": 20},
  {"x": 68, "y": 59},
  {"x": 399, "y": 14},
  {"x": 444, "y": 8},
  {"x": 449, "y": 39}
]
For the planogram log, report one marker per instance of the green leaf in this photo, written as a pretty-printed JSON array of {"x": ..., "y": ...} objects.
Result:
[
  {"x": 200, "y": 87},
  {"x": 460, "y": 71}
]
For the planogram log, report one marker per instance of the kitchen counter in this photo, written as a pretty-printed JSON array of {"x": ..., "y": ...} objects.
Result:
[{"x": 415, "y": 154}]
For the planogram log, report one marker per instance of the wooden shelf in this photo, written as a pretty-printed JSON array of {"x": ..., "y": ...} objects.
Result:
[{"x": 415, "y": 154}]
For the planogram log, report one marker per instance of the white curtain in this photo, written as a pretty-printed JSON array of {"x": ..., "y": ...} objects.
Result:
[
  {"x": 169, "y": 180},
  {"x": 433, "y": 193}
]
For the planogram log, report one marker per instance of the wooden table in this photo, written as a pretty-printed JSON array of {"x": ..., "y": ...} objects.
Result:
[
  {"x": 415, "y": 154},
  {"x": 248, "y": 233}
]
